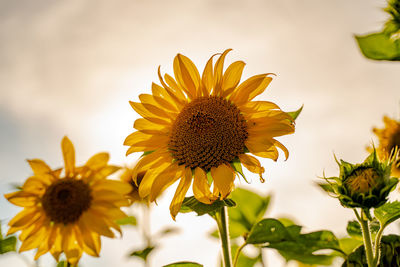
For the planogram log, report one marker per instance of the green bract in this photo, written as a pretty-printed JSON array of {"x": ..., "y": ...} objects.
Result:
[{"x": 364, "y": 185}]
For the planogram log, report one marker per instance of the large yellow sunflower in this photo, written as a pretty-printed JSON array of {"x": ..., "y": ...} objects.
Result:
[
  {"x": 204, "y": 127},
  {"x": 68, "y": 212},
  {"x": 389, "y": 142}
]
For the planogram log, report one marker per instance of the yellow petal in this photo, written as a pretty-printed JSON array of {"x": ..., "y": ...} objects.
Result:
[
  {"x": 218, "y": 70},
  {"x": 252, "y": 164},
  {"x": 25, "y": 217},
  {"x": 22, "y": 199},
  {"x": 180, "y": 193},
  {"x": 281, "y": 146},
  {"x": 250, "y": 88},
  {"x": 34, "y": 240},
  {"x": 176, "y": 95},
  {"x": 164, "y": 179},
  {"x": 262, "y": 149},
  {"x": 98, "y": 161},
  {"x": 254, "y": 108},
  {"x": 39, "y": 166},
  {"x": 187, "y": 75},
  {"x": 148, "y": 160},
  {"x": 96, "y": 223},
  {"x": 223, "y": 177},
  {"x": 150, "y": 176},
  {"x": 112, "y": 185},
  {"x": 176, "y": 88},
  {"x": 92, "y": 243},
  {"x": 201, "y": 188},
  {"x": 148, "y": 127},
  {"x": 232, "y": 78},
  {"x": 158, "y": 102},
  {"x": 208, "y": 77},
  {"x": 69, "y": 156},
  {"x": 136, "y": 137},
  {"x": 35, "y": 185}
]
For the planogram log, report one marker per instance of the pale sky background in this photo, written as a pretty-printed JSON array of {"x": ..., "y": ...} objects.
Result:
[{"x": 70, "y": 68}]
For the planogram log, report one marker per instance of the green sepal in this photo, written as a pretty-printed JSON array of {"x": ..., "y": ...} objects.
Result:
[
  {"x": 190, "y": 204},
  {"x": 296, "y": 113},
  {"x": 237, "y": 166}
]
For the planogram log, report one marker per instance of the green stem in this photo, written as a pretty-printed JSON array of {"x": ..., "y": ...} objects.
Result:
[
  {"x": 238, "y": 253},
  {"x": 366, "y": 238},
  {"x": 377, "y": 254},
  {"x": 222, "y": 222}
]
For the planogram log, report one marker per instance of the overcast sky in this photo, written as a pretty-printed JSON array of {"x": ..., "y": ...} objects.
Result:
[{"x": 70, "y": 68}]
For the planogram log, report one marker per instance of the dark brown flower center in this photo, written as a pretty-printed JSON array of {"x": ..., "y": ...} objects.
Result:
[
  {"x": 208, "y": 132},
  {"x": 65, "y": 200}
]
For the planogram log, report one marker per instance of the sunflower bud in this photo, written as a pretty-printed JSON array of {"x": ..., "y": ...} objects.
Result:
[{"x": 366, "y": 185}]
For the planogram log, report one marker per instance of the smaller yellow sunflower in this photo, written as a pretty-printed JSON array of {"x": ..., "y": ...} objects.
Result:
[
  {"x": 134, "y": 182},
  {"x": 68, "y": 212},
  {"x": 389, "y": 142}
]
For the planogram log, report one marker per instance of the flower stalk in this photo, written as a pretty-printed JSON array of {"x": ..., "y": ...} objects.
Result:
[
  {"x": 366, "y": 233},
  {"x": 223, "y": 227}
]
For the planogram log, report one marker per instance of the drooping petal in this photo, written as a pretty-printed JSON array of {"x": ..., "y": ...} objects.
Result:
[
  {"x": 69, "y": 156},
  {"x": 201, "y": 188},
  {"x": 180, "y": 193},
  {"x": 223, "y": 177},
  {"x": 252, "y": 164}
]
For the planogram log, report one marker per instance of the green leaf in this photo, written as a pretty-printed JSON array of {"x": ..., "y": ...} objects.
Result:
[
  {"x": 268, "y": 230},
  {"x": 354, "y": 229},
  {"x": 388, "y": 213},
  {"x": 8, "y": 244},
  {"x": 128, "y": 220},
  {"x": 295, "y": 114},
  {"x": 250, "y": 208},
  {"x": 293, "y": 245},
  {"x": 348, "y": 245},
  {"x": 184, "y": 264},
  {"x": 143, "y": 254},
  {"x": 192, "y": 204},
  {"x": 379, "y": 46},
  {"x": 62, "y": 264},
  {"x": 303, "y": 247}
]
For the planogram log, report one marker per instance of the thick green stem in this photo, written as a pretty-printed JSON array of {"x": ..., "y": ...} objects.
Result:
[
  {"x": 366, "y": 238},
  {"x": 223, "y": 227},
  {"x": 377, "y": 254}
]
